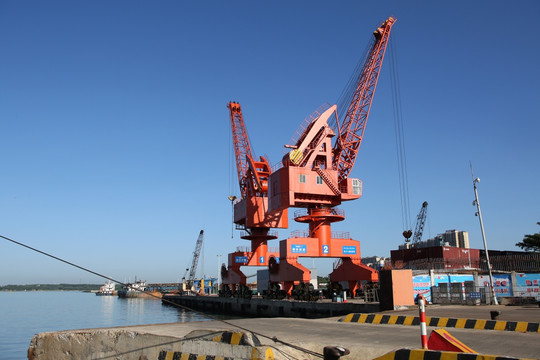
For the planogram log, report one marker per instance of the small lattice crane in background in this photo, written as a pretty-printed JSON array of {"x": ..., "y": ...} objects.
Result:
[
  {"x": 187, "y": 283},
  {"x": 419, "y": 229}
]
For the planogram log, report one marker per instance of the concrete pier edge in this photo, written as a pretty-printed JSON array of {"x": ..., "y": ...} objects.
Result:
[{"x": 259, "y": 307}]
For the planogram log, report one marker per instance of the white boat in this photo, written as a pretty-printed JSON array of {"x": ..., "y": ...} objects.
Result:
[{"x": 107, "y": 289}]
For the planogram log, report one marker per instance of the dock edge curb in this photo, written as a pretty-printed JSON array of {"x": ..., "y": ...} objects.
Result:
[{"x": 475, "y": 324}]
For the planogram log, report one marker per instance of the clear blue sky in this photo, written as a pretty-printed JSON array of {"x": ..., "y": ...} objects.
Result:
[{"x": 116, "y": 144}]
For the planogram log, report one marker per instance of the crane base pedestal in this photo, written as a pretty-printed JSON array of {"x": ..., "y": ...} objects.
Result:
[
  {"x": 353, "y": 271},
  {"x": 290, "y": 272},
  {"x": 233, "y": 277}
]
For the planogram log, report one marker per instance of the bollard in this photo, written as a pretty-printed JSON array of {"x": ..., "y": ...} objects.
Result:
[
  {"x": 494, "y": 314},
  {"x": 334, "y": 352},
  {"x": 422, "y": 313}
]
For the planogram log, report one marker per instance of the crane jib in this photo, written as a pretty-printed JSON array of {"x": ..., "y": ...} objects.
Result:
[{"x": 353, "y": 126}]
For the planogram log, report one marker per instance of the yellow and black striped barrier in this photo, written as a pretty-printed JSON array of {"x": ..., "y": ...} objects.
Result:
[
  {"x": 244, "y": 345},
  {"x": 476, "y": 324},
  {"x": 408, "y": 354},
  {"x": 176, "y": 355},
  {"x": 236, "y": 338}
]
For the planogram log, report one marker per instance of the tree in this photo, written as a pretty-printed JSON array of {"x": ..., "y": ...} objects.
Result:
[{"x": 530, "y": 242}]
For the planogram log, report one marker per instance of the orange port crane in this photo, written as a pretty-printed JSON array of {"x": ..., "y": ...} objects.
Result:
[
  {"x": 315, "y": 177},
  {"x": 251, "y": 212}
]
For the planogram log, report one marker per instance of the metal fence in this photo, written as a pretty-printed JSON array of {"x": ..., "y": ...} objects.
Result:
[
  {"x": 456, "y": 294},
  {"x": 528, "y": 292},
  {"x": 511, "y": 261}
]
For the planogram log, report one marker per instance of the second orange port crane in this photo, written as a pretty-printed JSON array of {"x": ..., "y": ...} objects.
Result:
[{"x": 251, "y": 211}]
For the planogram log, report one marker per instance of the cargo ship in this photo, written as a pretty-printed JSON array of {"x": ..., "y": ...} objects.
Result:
[
  {"x": 139, "y": 289},
  {"x": 132, "y": 290}
]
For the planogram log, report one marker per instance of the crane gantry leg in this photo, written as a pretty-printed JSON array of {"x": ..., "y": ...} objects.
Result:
[{"x": 257, "y": 255}]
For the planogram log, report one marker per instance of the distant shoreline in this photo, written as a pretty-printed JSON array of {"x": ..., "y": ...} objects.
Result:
[{"x": 51, "y": 287}]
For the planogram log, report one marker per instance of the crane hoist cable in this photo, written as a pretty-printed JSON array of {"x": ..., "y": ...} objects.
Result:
[
  {"x": 346, "y": 97},
  {"x": 347, "y": 93},
  {"x": 400, "y": 142}
]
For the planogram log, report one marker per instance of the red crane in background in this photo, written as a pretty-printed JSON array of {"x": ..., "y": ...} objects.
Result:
[
  {"x": 315, "y": 177},
  {"x": 251, "y": 212}
]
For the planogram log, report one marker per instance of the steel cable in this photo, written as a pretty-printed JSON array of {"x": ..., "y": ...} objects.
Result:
[{"x": 400, "y": 140}]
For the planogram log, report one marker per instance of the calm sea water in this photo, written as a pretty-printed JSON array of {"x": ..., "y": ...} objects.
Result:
[{"x": 24, "y": 314}]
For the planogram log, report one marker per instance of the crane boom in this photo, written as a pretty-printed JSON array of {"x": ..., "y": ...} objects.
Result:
[
  {"x": 316, "y": 159},
  {"x": 354, "y": 124},
  {"x": 242, "y": 148},
  {"x": 252, "y": 175}
]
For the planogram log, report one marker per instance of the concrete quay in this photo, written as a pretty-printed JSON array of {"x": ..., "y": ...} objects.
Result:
[
  {"x": 259, "y": 307},
  {"x": 365, "y": 341}
]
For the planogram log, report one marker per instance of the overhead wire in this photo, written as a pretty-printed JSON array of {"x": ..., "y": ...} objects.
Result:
[{"x": 273, "y": 338}]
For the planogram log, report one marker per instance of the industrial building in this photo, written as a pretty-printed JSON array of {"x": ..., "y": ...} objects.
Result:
[{"x": 464, "y": 259}]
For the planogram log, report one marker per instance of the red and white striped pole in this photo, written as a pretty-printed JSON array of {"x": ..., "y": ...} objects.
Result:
[{"x": 423, "y": 329}]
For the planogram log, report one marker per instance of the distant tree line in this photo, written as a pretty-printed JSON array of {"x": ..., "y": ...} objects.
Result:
[{"x": 51, "y": 287}]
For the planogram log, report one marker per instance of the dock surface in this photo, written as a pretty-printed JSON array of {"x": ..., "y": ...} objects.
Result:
[{"x": 365, "y": 341}]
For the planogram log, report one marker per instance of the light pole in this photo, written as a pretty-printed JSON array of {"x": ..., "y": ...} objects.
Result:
[
  {"x": 232, "y": 198},
  {"x": 219, "y": 270},
  {"x": 479, "y": 214}
]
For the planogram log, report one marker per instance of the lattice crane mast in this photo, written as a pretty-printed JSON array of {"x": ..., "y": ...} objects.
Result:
[
  {"x": 251, "y": 212},
  {"x": 315, "y": 176}
]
